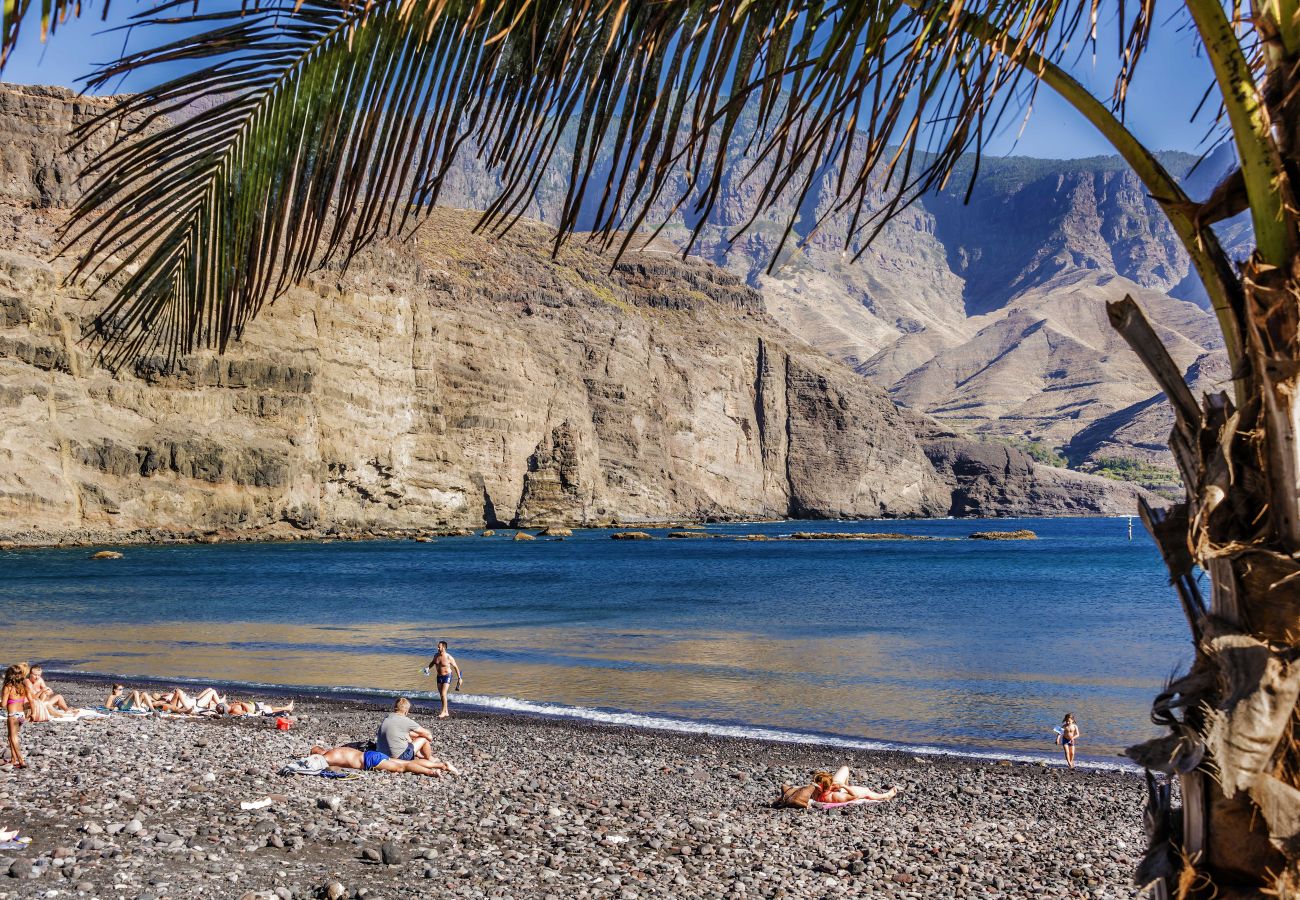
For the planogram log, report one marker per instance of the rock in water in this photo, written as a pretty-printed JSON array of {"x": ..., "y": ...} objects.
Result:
[
  {"x": 106, "y": 554},
  {"x": 556, "y": 531},
  {"x": 524, "y": 536},
  {"x": 631, "y": 536},
  {"x": 1023, "y": 534}
]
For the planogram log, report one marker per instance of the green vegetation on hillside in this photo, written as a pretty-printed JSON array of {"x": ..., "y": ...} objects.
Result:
[
  {"x": 1040, "y": 452},
  {"x": 1155, "y": 478}
]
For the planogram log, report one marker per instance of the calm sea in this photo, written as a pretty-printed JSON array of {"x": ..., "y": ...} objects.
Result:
[{"x": 954, "y": 644}]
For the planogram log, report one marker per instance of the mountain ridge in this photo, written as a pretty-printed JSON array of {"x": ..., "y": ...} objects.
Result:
[{"x": 451, "y": 380}]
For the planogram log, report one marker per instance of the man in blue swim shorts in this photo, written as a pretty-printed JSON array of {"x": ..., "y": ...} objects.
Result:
[
  {"x": 444, "y": 663},
  {"x": 346, "y": 757}
]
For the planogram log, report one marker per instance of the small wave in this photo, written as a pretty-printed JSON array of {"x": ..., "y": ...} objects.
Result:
[{"x": 623, "y": 718}]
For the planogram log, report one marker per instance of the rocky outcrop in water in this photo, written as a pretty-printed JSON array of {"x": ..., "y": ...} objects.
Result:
[{"x": 451, "y": 380}]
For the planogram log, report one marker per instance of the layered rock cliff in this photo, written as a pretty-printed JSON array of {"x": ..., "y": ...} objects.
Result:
[
  {"x": 988, "y": 315},
  {"x": 451, "y": 379}
]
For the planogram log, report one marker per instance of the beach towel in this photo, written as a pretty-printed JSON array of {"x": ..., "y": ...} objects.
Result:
[
  {"x": 79, "y": 715},
  {"x": 862, "y": 801},
  {"x": 107, "y": 711},
  {"x": 314, "y": 765}
]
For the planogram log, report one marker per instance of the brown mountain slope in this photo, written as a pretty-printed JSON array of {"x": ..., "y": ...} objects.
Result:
[
  {"x": 916, "y": 308},
  {"x": 450, "y": 380}
]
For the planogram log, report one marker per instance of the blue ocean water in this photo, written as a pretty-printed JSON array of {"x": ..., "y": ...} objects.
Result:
[{"x": 953, "y": 643}]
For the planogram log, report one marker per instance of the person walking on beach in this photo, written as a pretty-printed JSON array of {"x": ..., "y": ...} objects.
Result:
[
  {"x": 17, "y": 703},
  {"x": 1066, "y": 735},
  {"x": 444, "y": 664}
]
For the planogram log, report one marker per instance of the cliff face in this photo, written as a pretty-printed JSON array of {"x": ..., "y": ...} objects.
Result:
[
  {"x": 451, "y": 379},
  {"x": 988, "y": 315}
]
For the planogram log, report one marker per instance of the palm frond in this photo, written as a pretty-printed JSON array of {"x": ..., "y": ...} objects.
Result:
[{"x": 339, "y": 121}]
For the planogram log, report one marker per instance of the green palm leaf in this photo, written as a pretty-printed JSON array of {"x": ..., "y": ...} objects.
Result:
[{"x": 337, "y": 122}]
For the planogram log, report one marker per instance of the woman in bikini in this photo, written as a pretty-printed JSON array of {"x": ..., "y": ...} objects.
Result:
[
  {"x": 17, "y": 703},
  {"x": 836, "y": 788},
  {"x": 828, "y": 788},
  {"x": 252, "y": 708},
  {"x": 134, "y": 702},
  {"x": 178, "y": 701}
]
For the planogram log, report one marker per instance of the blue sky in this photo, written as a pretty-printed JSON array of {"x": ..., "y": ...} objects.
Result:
[{"x": 1170, "y": 83}]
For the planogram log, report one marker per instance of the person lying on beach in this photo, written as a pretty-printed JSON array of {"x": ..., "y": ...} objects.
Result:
[
  {"x": 239, "y": 708},
  {"x": 136, "y": 701},
  {"x": 836, "y": 788},
  {"x": 347, "y": 757},
  {"x": 828, "y": 788},
  {"x": 401, "y": 737},
  {"x": 177, "y": 701}
]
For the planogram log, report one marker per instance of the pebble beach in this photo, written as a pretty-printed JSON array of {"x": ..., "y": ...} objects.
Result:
[{"x": 146, "y": 807}]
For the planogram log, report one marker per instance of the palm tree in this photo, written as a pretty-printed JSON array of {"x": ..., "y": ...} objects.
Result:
[{"x": 307, "y": 128}]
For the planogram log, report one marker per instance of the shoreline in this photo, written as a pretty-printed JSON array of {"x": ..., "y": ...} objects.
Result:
[
  {"x": 149, "y": 807},
  {"x": 282, "y": 533},
  {"x": 511, "y": 709}
]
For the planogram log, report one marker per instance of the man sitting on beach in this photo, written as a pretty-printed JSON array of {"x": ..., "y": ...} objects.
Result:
[
  {"x": 37, "y": 689},
  {"x": 348, "y": 757},
  {"x": 401, "y": 737}
]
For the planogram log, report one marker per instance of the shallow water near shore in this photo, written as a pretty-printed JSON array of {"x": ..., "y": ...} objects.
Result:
[{"x": 962, "y": 644}]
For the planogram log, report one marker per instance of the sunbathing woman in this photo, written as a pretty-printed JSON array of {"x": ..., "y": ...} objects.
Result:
[
  {"x": 178, "y": 701},
  {"x": 828, "y": 788},
  {"x": 252, "y": 708},
  {"x": 17, "y": 702},
  {"x": 836, "y": 788},
  {"x": 136, "y": 701}
]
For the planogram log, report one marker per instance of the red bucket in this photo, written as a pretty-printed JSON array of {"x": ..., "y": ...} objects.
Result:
[{"x": 283, "y": 724}]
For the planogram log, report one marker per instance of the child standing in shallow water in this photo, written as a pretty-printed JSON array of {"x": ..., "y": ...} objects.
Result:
[
  {"x": 17, "y": 702},
  {"x": 1066, "y": 735}
]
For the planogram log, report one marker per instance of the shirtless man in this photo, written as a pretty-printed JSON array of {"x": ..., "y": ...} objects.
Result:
[
  {"x": 39, "y": 690},
  {"x": 346, "y": 757},
  {"x": 444, "y": 663}
]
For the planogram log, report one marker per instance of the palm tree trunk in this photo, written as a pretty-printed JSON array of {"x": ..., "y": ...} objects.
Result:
[{"x": 1233, "y": 743}]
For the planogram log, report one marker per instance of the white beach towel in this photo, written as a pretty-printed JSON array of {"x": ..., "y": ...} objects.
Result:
[
  {"x": 862, "y": 801},
  {"x": 79, "y": 715}
]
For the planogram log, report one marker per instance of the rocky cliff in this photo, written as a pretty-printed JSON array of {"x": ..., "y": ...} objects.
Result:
[
  {"x": 988, "y": 315},
  {"x": 450, "y": 379}
]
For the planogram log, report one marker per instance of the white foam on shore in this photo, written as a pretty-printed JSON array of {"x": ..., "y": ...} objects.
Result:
[{"x": 625, "y": 719}]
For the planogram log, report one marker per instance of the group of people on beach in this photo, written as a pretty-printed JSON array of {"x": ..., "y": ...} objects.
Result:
[
  {"x": 400, "y": 745},
  {"x": 207, "y": 702},
  {"x": 26, "y": 697}
]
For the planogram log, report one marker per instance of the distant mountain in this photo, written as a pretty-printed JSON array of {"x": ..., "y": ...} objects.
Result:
[{"x": 990, "y": 314}]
